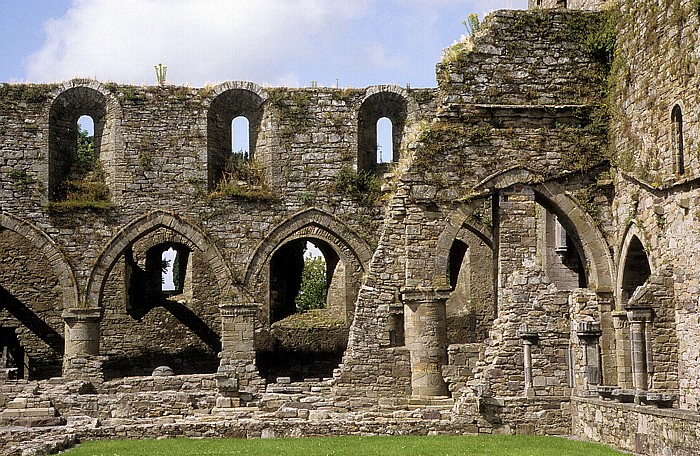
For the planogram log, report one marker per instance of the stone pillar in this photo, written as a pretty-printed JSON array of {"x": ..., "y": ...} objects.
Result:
[
  {"x": 237, "y": 372},
  {"x": 426, "y": 337},
  {"x": 529, "y": 338},
  {"x": 638, "y": 318},
  {"x": 82, "y": 347},
  {"x": 588, "y": 333},
  {"x": 622, "y": 349}
]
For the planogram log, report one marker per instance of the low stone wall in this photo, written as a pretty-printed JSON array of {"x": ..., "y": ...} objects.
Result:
[
  {"x": 33, "y": 442},
  {"x": 642, "y": 429},
  {"x": 515, "y": 415}
]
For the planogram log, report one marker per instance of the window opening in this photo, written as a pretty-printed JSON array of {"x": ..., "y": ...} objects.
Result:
[
  {"x": 385, "y": 140},
  {"x": 636, "y": 269},
  {"x": 169, "y": 262},
  {"x": 677, "y": 136},
  {"x": 86, "y": 159},
  {"x": 314, "y": 280},
  {"x": 240, "y": 138}
]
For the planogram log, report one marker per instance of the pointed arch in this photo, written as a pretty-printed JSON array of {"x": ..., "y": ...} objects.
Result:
[
  {"x": 187, "y": 233},
  {"x": 54, "y": 256},
  {"x": 310, "y": 223},
  {"x": 586, "y": 235},
  {"x": 633, "y": 249},
  {"x": 459, "y": 220}
]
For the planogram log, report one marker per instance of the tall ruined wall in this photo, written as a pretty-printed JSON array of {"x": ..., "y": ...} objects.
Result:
[
  {"x": 158, "y": 149},
  {"x": 533, "y": 239},
  {"x": 519, "y": 102},
  {"x": 655, "y": 70}
]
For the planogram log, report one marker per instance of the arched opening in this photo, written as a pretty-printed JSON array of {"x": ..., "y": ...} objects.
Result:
[
  {"x": 298, "y": 264},
  {"x": 78, "y": 162},
  {"x": 31, "y": 326},
  {"x": 559, "y": 255},
  {"x": 381, "y": 121},
  {"x": 470, "y": 308},
  {"x": 636, "y": 269},
  {"x": 677, "y": 140},
  {"x": 159, "y": 309},
  {"x": 385, "y": 141},
  {"x": 240, "y": 138},
  {"x": 233, "y": 125},
  {"x": 307, "y": 306}
]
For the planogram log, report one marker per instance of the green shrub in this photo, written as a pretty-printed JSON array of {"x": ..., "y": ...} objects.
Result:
[
  {"x": 312, "y": 294},
  {"x": 363, "y": 186}
]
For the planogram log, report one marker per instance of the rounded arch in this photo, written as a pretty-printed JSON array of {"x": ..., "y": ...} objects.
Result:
[
  {"x": 219, "y": 89},
  {"x": 70, "y": 101},
  {"x": 51, "y": 252},
  {"x": 388, "y": 101},
  {"x": 228, "y": 101},
  {"x": 187, "y": 234},
  {"x": 310, "y": 223},
  {"x": 586, "y": 235}
]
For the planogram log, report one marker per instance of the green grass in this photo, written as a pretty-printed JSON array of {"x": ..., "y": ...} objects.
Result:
[{"x": 519, "y": 445}]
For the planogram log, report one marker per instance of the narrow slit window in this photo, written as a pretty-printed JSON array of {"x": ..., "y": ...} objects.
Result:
[
  {"x": 86, "y": 143},
  {"x": 677, "y": 136},
  {"x": 168, "y": 260},
  {"x": 385, "y": 140},
  {"x": 240, "y": 138}
]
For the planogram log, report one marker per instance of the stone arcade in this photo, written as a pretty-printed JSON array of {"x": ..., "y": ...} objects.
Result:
[{"x": 530, "y": 264}]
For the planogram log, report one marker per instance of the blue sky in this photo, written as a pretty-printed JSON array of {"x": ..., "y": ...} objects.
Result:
[{"x": 271, "y": 42}]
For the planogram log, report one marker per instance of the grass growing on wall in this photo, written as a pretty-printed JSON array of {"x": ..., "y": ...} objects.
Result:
[
  {"x": 243, "y": 177},
  {"x": 492, "y": 445},
  {"x": 85, "y": 187},
  {"x": 362, "y": 186}
]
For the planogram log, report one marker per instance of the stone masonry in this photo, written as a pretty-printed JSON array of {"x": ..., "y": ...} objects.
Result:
[{"x": 526, "y": 262}]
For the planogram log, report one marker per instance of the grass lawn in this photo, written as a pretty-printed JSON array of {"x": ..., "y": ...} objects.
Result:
[{"x": 519, "y": 445}]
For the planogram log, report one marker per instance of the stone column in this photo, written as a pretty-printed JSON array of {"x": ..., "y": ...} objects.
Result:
[
  {"x": 529, "y": 338},
  {"x": 426, "y": 338},
  {"x": 82, "y": 347},
  {"x": 638, "y": 318},
  {"x": 237, "y": 371},
  {"x": 588, "y": 333},
  {"x": 622, "y": 349}
]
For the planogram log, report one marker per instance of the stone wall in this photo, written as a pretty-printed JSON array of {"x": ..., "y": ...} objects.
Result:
[
  {"x": 531, "y": 246},
  {"x": 655, "y": 202},
  {"x": 640, "y": 429}
]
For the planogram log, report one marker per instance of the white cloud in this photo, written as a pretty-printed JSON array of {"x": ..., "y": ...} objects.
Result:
[
  {"x": 199, "y": 40},
  {"x": 275, "y": 42}
]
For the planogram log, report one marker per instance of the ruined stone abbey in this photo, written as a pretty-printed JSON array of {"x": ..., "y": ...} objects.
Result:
[{"x": 523, "y": 260}]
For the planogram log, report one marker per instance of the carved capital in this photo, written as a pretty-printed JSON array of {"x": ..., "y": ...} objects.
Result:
[
  {"x": 87, "y": 315},
  {"x": 238, "y": 310}
]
